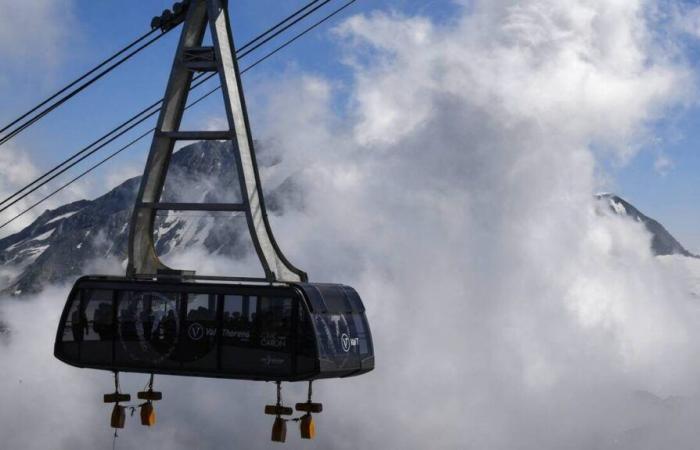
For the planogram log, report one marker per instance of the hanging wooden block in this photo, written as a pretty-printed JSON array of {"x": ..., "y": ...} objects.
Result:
[
  {"x": 309, "y": 407},
  {"x": 116, "y": 397},
  {"x": 118, "y": 416},
  {"x": 279, "y": 430},
  {"x": 150, "y": 395},
  {"x": 307, "y": 427},
  {"x": 278, "y": 410},
  {"x": 148, "y": 414}
]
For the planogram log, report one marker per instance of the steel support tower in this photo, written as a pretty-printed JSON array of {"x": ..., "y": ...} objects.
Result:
[{"x": 192, "y": 57}]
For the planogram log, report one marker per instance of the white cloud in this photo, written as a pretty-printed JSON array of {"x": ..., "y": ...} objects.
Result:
[
  {"x": 663, "y": 164},
  {"x": 456, "y": 196},
  {"x": 687, "y": 19},
  {"x": 17, "y": 170},
  {"x": 35, "y": 33}
]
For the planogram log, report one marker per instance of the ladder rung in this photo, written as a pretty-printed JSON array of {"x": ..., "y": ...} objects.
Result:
[
  {"x": 198, "y": 135},
  {"x": 195, "y": 206},
  {"x": 200, "y": 59},
  {"x": 202, "y": 66},
  {"x": 199, "y": 54}
]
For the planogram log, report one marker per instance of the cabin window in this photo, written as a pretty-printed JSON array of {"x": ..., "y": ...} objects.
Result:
[
  {"x": 148, "y": 327},
  {"x": 342, "y": 335},
  {"x": 363, "y": 336},
  {"x": 76, "y": 322},
  {"x": 96, "y": 326},
  {"x": 274, "y": 323},
  {"x": 237, "y": 323},
  {"x": 199, "y": 332},
  {"x": 98, "y": 314},
  {"x": 255, "y": 334}
]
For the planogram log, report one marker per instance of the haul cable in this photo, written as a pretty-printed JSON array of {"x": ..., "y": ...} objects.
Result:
[{"x": 140, "y": 137}]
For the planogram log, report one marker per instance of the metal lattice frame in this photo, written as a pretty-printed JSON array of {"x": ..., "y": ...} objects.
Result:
[{"x": 192, "y": 57}]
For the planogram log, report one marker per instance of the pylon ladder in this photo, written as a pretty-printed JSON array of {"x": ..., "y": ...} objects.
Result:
[{"x": 192, "y": 57}]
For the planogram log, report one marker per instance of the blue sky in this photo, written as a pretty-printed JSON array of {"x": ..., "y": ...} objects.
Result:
[{"x": 100, "y": 28}]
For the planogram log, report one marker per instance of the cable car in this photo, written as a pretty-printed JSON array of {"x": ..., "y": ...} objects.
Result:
[
  {"x": 159, "y": 320},
  {"x": 275, "y": 332}
]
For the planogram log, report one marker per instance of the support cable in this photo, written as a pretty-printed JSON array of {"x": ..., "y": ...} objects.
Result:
[
  {"x": 140, "y": 137},
  {"x": 76, "y": 91},
  {"x": 277, "y": 25},
  {"x": 298, "y": 35},
  {"x": 283, "y": 29},
  {"x": 78, "y": 80},
  {"x": 98, "y": 164},
  {"x": 265, "y": 36},
  {"x": 14, "y": 197},
  {"x": 88, "y": 151}
]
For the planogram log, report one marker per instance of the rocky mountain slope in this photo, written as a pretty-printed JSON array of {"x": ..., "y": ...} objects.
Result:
[
  {"x": 61, "y": 242},
  {"x": 662, "y": 243}
]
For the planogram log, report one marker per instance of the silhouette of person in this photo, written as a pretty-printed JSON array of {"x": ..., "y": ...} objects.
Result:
[
  {"x": 102, "y": 321},
  {"x": 79, "y": 325}
]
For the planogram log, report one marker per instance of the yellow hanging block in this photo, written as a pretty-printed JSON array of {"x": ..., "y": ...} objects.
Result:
[
  {"x": 148, "y": 414},
  {"x": 279, "y": 430},
  {"x": 307, "y": 427},
  {"x": 118, "y": 416}
]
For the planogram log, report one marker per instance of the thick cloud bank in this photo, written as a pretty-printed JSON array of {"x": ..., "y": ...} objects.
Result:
[{"x": 455, "y": 193}]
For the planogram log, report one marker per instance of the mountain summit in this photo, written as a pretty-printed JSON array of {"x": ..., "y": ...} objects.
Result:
[{"x": 662, "y": 242}]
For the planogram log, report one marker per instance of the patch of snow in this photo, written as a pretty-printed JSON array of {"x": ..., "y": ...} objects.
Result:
[
  {"x": 15, "y": 245},
  {"x": 61, "y": 217},
  {"x": 618, "y": 207},
  {"x": 44, "y": 236},
  {"x": 30, "y": 255},
  {"x": 79, "y": 245}
]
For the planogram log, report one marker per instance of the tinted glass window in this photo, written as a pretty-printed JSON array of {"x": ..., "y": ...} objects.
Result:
[
  {"x": 98, "y": 313},
  {"x": 239, "y": 314},
  {"x": 256, "y": 335},
  {"x": 198, "y": 342},
  {"x": 273, "y": 322},
  {"x": 148, "y": 327},
  {"x": 76, "y": 322},
  {"x": 342, "y": 338}
]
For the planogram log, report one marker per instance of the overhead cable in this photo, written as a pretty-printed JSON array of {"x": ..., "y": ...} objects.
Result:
[
  {"x": 11, "y": 134},
  {"x": 140, "y": 137},
  {"x": 89, "y": 150},
  {"x": 78, "y": 80},
  {"x": 56, "y": 171},
  {"x": 283, "y": 29},
  {"x": 277, "y": 25},
  {"x": 17, "y": 130}
]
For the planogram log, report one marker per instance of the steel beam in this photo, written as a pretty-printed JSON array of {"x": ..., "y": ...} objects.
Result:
[{"x": 143, "y": 260}]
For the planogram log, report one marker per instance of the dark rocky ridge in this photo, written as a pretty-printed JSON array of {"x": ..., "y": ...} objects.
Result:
[
  {"x": 662, "y": 242},
  {"x": 57, "y": 246}
]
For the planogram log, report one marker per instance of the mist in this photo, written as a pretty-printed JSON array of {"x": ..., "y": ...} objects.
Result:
[{"x": 454, "y": 189}]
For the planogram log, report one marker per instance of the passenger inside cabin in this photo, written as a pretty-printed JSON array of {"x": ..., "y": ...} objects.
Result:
[{"x": 79, "y": 325}]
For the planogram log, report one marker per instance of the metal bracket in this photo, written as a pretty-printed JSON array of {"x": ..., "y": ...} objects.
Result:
[{"x": 192, "y": 56}]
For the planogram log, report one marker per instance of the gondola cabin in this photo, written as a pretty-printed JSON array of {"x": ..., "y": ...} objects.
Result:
[{"x": 273, "y": 332}]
